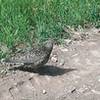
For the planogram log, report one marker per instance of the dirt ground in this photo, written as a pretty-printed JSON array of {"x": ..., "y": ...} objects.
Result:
[{"x": 73, "y": 73}]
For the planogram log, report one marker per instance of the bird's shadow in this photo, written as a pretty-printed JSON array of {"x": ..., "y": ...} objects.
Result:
[{"x": 47, "y": 70}]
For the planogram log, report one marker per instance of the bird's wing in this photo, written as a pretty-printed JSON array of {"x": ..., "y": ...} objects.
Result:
[
  {"x": 32, "y": 56},
  {"x": 27, "y": 58}
]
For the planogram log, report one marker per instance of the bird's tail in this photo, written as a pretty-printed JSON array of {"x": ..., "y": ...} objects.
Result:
[{"x": 10, "y": 65}]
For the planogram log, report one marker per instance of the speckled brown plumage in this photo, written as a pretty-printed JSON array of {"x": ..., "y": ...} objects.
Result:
[{"x": 36, "y": 57}]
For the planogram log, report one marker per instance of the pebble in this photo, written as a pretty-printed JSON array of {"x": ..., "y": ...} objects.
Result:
[
  {"x": 44, "y": 92},
  {"x": 83, "y": 89},
  {"x": 96, "y": 92},
  {"x": 68, "y": 41},
  {"x": 72, "y": 89},
  {"x": 63, "y": 49},
  {"x": 54, "y": 59},
  {"x": 62, "y": 62}
]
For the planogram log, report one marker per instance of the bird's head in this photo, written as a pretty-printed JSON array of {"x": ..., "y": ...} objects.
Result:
[{"x": 49, "y": 44}]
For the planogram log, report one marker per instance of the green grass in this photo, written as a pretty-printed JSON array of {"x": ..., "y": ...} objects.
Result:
[{"x": 36, "y": 20}]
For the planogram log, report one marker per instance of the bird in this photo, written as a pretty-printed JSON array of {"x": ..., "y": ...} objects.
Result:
[{"x": 36, "y": 56}]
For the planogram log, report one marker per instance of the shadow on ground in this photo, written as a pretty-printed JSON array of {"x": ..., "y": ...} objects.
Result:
[{"x": 47, "y": 70}]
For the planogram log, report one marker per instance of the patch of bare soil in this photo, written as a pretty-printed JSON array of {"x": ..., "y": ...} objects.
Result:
[{"x": 73, "y": 73}]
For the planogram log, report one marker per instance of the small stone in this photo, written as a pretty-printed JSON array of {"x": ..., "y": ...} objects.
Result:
[
  {"x": 75, "y": 55},
  {"x": 54, "y": 55},
  {"x": 44, "y": 92},
  {"x": 62, "y": 62},
  {"x": 54, "y": 59},
  {"x": 83, "y": 89},
  {"x": 67, "y": 41},
  {"x": 96, "y": 92},
  {"x": 73, "y": 90},
  {"x": 63, "y": 49}
]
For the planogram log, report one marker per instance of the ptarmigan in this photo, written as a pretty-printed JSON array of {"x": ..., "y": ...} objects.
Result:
[{"x": 34, "y": 58}]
